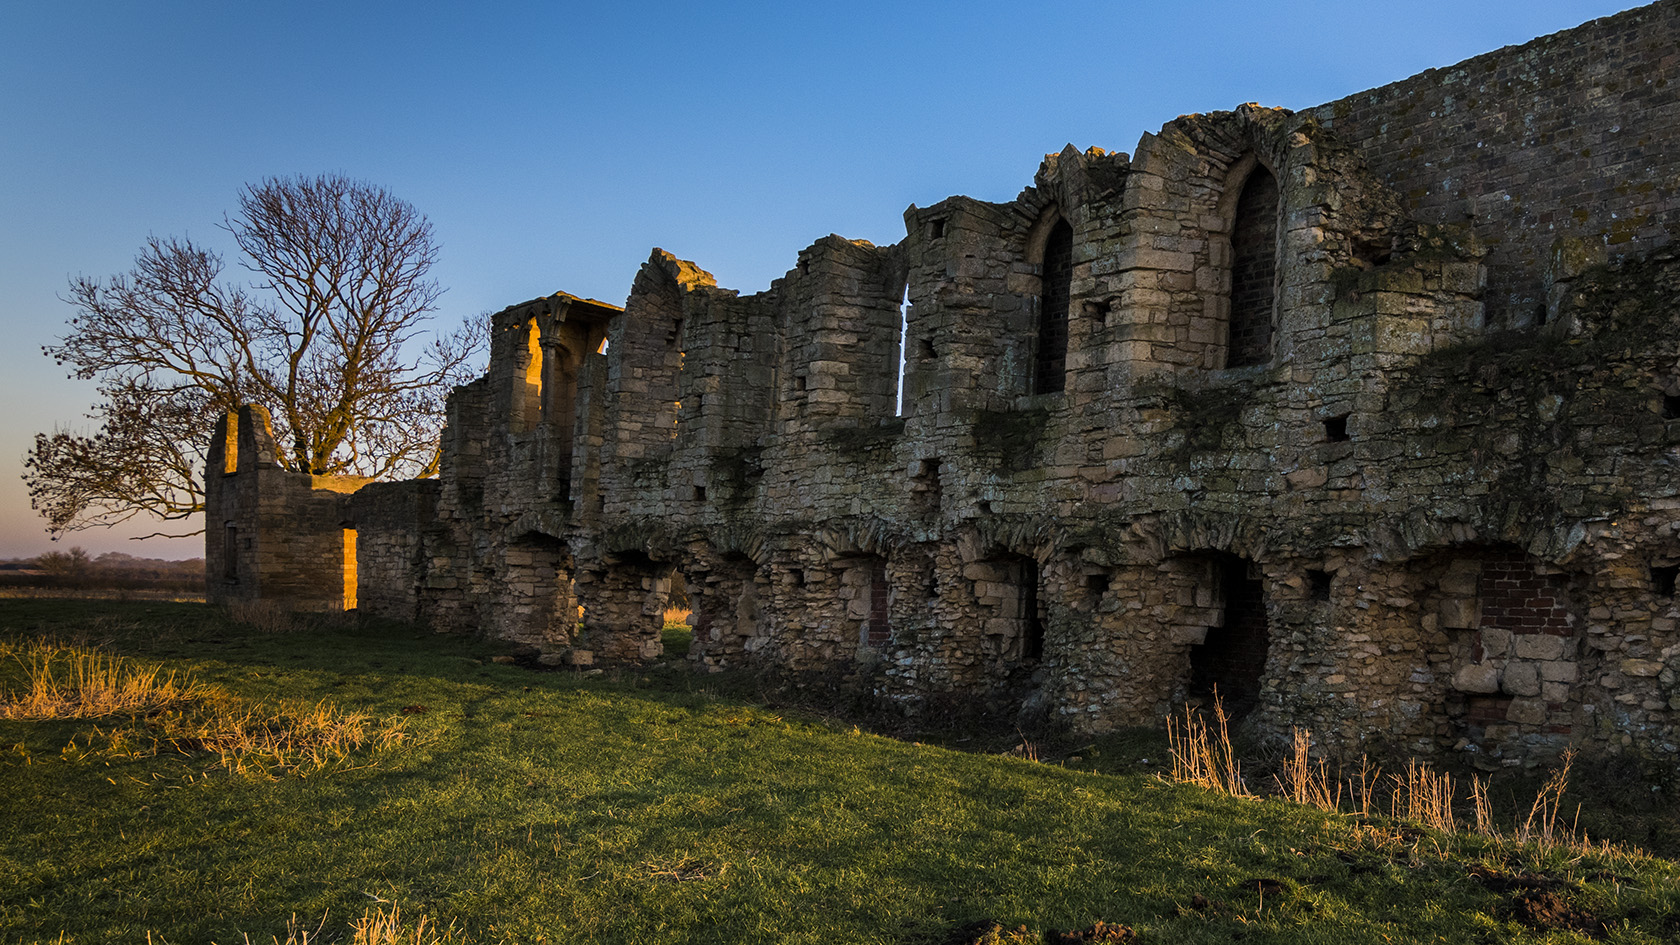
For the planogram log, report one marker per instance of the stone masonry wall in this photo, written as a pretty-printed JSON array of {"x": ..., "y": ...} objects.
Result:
[
  {"x": 1402, "y": 517},
  {"x": 1570, "y": 137}
]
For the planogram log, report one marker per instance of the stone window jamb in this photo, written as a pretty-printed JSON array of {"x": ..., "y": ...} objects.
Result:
[
  {"x": 1221, "y": 253},
  {"x": 1038, "y": 238}
]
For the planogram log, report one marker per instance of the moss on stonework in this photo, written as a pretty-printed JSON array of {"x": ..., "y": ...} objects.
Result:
[
  {"x": 1012, "y": 436},
  {"x": 865, "y": 438},
  {"x": 740, "y": 471},
  {"x": 1204, "y": 416}
]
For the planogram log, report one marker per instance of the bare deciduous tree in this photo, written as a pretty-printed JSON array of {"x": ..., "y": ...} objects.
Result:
[{"x": 329, "y": 336}]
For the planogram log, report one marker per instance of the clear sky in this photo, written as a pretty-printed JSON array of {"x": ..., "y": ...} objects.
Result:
[{"x": 554, "y": 144}]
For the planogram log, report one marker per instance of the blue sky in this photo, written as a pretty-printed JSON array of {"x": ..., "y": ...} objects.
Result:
[{"x": 553, "y": 145}]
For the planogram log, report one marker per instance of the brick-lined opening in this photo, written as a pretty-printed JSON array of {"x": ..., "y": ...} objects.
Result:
[
  {"x": 1032, "y": 613},
  {"x": 1232, "y": 657},
  {"x": 1050, "y": 365},
  {"x": 878, "y": 631},
  {"x": 1515, "y": 597},
  {"x": 1253, "y": 270}
]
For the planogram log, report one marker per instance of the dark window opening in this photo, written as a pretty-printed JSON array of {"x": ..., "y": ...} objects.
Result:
[
  {"x": 1540, "y": 315},
  {"x": 926, "y": 350},
  {"x": 799, "y": 382},
  {"x": 230, "y": 554},
  {"x": 931, "y": 581},
  {"x": 699, "y": 493},
  {"x": 1662, "y": 580},
  {"x": 985, "y": 507},
  {"x": 1335, "y": 429},
  {"x": 1032, "y": 619},
  {"x": 804, "y": 266},
  {"x": 1253, "y": 270},
  {"x": 1318, "y": 585},
  {"x": 1050, "y": 367},
  {"x": 936, "y": 229},
  {"x": 1231, "y": 659},
  {"x": 879, "y": 629},
  {"x": 1099, "y": 310},
  {"x": 1096, "y": 584},
  {"x": 1670, "y": 407}
]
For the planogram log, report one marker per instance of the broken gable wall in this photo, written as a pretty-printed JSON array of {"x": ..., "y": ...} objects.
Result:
[
  {"x": 270, "y": 533},
  {"x": 1565, "y": 142}
]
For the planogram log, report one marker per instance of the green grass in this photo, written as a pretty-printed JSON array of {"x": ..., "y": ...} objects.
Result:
[{"x": 649, "y": 807}]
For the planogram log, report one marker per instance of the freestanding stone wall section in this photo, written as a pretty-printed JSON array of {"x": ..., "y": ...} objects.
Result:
[{"x": 1124, "y": 443}]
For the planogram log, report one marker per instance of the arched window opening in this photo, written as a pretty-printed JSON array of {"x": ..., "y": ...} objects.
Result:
[
  {"x": 903, "y": 346},
  {"x": 879, "y": 631},
  {"x": 529, "y": 413},
  {"x": 1253, "y": 270},
  {"x": 1231, "y": 660},
  {"x": 1050, "y": 363}
]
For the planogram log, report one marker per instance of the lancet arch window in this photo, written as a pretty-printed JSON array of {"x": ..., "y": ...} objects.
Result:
[
  {"x": 1253, "y": 294},
  {"x": 1055, "y": 291}
]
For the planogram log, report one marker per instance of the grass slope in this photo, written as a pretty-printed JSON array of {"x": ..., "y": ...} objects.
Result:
[{"x": 550, "y": 807}]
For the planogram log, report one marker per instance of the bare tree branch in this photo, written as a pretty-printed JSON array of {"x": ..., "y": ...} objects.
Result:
[{"x": 328, "y": 337}]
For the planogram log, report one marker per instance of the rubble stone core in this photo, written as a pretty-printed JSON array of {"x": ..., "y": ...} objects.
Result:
[{"x": 1365, "y": 417}]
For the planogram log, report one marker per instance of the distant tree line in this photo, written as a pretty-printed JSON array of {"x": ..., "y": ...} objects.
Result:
[{"x": 76, "y": 568}]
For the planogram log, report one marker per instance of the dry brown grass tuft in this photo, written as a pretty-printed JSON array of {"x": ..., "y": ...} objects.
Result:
[
  {"x": 71, "y": 682},
  {"x": 1202, "y": 755},
  {"x": 1542, "y": 826},
  {"x": 1305, "y": 781},
  {"x": 1202, "y": 752},
  {"x": 1423, "y": 796},
  {"x": 169, "y": 712},
  {"x": 375, "y": 927}
]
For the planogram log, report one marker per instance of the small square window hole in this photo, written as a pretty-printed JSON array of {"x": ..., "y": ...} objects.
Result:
[
  {"x": 1662, "y": 580},
  {"x": 1318, "y": 584}
]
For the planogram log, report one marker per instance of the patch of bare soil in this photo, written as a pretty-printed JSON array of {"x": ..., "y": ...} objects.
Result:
[
  {"x": 1102, "y": 933},
  {"x": 1546, "y": 910},
  {"x": 993, "y": 932}
]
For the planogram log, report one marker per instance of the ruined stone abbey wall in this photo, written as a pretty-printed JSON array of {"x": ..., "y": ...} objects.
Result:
[{"x": 1267, "y": 409}]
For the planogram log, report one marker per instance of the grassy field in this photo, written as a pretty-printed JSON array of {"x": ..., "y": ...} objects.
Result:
[{"x": 504, "y": 804}]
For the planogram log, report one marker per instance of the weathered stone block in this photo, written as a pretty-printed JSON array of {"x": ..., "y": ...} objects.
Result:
[
  {"x": 1460, "y": 613},
  {"x": 1477, "y": 678},
  {"x": 1520, "y": 679},
  {"x": 1641, "y": 667},
  {"x": 1539, "y": 646},
  {"x": 1527, "y": 711},
  {"x": 1562, "y": 671}
]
